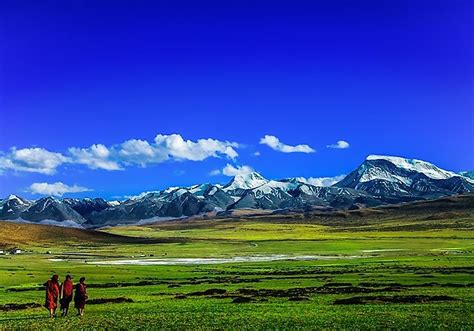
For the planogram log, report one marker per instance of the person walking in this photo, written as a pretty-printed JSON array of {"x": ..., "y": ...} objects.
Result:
[
  {"x": 65, "y": 295},
  {"x": 52, "y": 294},
  {"x": 80, "y": 297}
]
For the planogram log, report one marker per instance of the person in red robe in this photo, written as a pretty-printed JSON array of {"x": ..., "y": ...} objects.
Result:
[
  {"x": 80, "y": 297},
  {"x": 65, "y": 294},
  {"x": 52, "y": 294}
]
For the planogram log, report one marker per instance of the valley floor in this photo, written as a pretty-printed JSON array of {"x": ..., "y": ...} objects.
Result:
[{"x": 373, "y": 277}]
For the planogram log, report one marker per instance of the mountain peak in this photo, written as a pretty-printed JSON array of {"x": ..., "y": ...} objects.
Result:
[
  {"x": 414, "y": 165},
  {"x": 251, "y": 175},
  {"x": 396, "y": 176},
  {"x": 246, "y": 181},
  {"x": 16, "y": 199}
]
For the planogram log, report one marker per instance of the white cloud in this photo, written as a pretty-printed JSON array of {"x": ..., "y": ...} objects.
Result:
[
  {"x": 231, "y": 171},
  {"x": 175, "y": 146},
  {"x": 257, "y": 153},
  {"x": 57, "y": 189},
  {"x": 137, "y": 151},
  {"x": 165, "y": 147},
  {"x": 95, "y": 157},
  {"x": 116, "y": 157},
  {"x": 275, "y": 143},
  {"x": 215, "y": 172},
  {"x": 34, "y": 159},
  {"x": 322, "y": 181},
  {"x": 341, "y": 144}
]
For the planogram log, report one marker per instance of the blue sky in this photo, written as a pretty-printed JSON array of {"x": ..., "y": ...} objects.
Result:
[{"x": 387, "y": 78}]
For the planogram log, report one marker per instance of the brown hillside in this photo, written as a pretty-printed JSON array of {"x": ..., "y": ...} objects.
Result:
[{"x": 15, "y": 234}]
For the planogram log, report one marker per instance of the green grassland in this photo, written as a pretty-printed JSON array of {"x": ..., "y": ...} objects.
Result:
[{"x": 380, "y": 275}]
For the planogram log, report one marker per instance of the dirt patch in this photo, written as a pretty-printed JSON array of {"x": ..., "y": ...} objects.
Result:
[
  {"x": 298, "y": 299},
  {"x": 243, "y": 300},
  {"x": 99, "y": 301},
  {"x": 394, "y": 299},
  {"x": 21, "y": 306},
  {"x": 220, "y": 280},
  {"x": 334, "y": 284}
]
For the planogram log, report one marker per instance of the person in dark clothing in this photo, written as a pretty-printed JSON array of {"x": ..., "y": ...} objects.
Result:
[
  {"x": 80, "y": 297},
  {"x": 52, "y": 294},
  {"x": 65, "y": 294}
]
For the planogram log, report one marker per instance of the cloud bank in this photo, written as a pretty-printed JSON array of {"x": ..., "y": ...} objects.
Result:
[{"x": 117, "y": 157}]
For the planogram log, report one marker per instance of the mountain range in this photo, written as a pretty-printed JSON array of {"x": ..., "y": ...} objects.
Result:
[{"x": 377, "y": 181}]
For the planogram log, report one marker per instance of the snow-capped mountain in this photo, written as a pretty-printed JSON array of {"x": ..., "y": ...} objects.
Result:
[
  {"x": 378, "y": 180},
  {"x": 240, "y": 183},
  {"x": 389, "y": 176},
  {"x": 42, "y": 209},
  {"x": 413, "y": 165},
  {"x": 86, "y": 207},
  {"x": 12, "y": 206},
  {"x": 172, "y": 202},
  {"x": 293, "y": 193}
]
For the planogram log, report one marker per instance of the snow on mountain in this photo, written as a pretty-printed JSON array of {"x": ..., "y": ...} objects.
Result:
[
  {"x": 199, "y": 189},
  {"x": 390, "y": 176},
  {"x": 12, "y": 206},
  {"x": 273, "y": 187},
  {"x": 468, "y": 174},
  {"x": 316, "y": 181},
  {"x": 245, "y": 182},
  {"x": 376, "y": 173},
  {"x": 85, "y": 207},
  {"x": 16, "y": 200},
  {"x": 426, "y": 168}
]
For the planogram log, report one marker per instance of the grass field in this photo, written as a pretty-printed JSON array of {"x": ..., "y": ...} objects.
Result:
[{"x": 372, "y": 275}]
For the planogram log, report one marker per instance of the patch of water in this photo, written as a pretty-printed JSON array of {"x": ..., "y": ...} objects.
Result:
[
  {"x": 235, "y": 259},
  {"x": 383, "y": 250}
]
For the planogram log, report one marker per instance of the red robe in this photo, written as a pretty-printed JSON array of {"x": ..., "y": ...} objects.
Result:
[
  {"x": 66, "y": 293},
  {"x": 81, "y": 296},
  {"x": 52, "y": 293}
]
